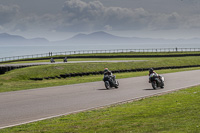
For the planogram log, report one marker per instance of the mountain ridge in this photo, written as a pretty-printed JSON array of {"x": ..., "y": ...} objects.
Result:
[
  {"x": 103, "y": 37},
  {"x": 8, "y": 39},
  {"x": 99, "y": 37}
]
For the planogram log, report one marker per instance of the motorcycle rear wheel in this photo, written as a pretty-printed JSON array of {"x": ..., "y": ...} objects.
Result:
[
  {"x": 107, "y": 85},
  {"x": 154, "y": 85}
]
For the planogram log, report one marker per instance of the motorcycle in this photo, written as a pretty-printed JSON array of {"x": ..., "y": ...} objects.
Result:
[
  {"x": 110, "y": 82},
  {"x": 156, "y": 81}
]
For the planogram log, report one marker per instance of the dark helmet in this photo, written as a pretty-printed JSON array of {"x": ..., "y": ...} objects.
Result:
[
  {"x": 106, "y": 70},
  {"x": 151, "y": 70}
]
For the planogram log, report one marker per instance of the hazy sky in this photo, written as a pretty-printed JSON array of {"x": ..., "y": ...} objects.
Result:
[{"x": 61, "y": 19}]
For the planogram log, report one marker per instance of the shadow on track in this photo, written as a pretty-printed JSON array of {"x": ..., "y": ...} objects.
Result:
[{"x": 108, "y": 89}]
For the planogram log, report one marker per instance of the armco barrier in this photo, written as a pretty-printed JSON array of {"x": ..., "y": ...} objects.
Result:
[{"x": 113, "y": 56}]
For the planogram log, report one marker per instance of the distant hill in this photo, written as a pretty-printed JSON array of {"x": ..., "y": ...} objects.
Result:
[
  {"x": 95, "y": 38},
  {"x": 106, "y": 38},
  {"x": 7, "y": 39},
  {"x": 96, "y": 35}
]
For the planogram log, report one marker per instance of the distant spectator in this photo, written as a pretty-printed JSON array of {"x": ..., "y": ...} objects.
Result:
[{"x": 50, "y": 53}]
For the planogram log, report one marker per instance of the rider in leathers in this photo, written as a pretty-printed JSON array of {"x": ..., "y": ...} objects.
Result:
[
  {"x": 152, "y": 71},
  {"x": 109, "y": 73}
]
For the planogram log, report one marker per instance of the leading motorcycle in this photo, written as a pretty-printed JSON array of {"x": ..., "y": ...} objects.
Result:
[
  {"x": 110, "y": 82},
  {"x": 156, "y": 81}
]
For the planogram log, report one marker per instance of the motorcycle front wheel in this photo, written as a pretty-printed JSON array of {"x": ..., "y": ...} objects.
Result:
[
  {"x": 117, "y": 84},
  {"x": 162, "y": 85}
]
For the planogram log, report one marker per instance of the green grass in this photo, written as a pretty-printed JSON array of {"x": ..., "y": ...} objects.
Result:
[
  {"x": 19, "y": 79},
  {"x": 57, "y": 69},
  {"x": 177, "y": 112},
  {"x": 15, "y": 85}
]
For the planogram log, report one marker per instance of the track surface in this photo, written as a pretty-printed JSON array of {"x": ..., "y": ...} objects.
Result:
[{"x": 37, "y": 104}]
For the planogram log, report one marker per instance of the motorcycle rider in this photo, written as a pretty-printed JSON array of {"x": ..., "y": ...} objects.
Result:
[
  {"x": 157, "y": 75},
  {"x": 109, "y": 73},
  {"x": 150, "y": 72}
]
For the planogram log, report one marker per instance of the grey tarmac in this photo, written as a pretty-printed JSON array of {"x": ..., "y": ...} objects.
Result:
[{"x": 20, "y": 107}]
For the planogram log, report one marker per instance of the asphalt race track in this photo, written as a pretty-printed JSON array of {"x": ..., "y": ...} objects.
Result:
[{"x": 26, "y": 106}]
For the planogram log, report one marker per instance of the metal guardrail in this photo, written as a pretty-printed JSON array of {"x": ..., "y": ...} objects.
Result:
[{"x": 99, "y": 51}]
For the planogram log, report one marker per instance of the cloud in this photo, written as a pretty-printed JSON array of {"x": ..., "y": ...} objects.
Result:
[
  {"x": 33, "y": 22},
  {"x": 107, "y": 27},
  {"x": 193, "y": 22},
  {"x": 82, "y": 10},
  {"x": 80, "y": 16},
  {"x": 8, "y": 13},
  {"x": 166, "y": 21}
]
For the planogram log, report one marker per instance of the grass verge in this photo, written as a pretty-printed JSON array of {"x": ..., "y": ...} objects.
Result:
[
  {"x": 66, "y": 68},
  {"x": 174, "y": 112},
  {"x": 13, "y": 85},
  {"x": 19, "y": 79}
]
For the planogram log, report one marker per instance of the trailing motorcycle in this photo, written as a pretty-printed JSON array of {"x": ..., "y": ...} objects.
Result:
[
  {"x": 156, "y": 81},
  {"x": 110, "y": 82}
]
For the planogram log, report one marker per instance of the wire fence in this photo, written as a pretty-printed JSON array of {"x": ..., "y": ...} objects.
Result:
[{"x": 98, "y": 51}]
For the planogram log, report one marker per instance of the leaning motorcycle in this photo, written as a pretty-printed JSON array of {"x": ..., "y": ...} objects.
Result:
[
  {"x": 110, "y": 82},
  {"x": 156, "y": 81}
]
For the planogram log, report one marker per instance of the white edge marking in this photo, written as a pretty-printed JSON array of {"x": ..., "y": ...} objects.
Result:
[{"x": 122, "y": 102}]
